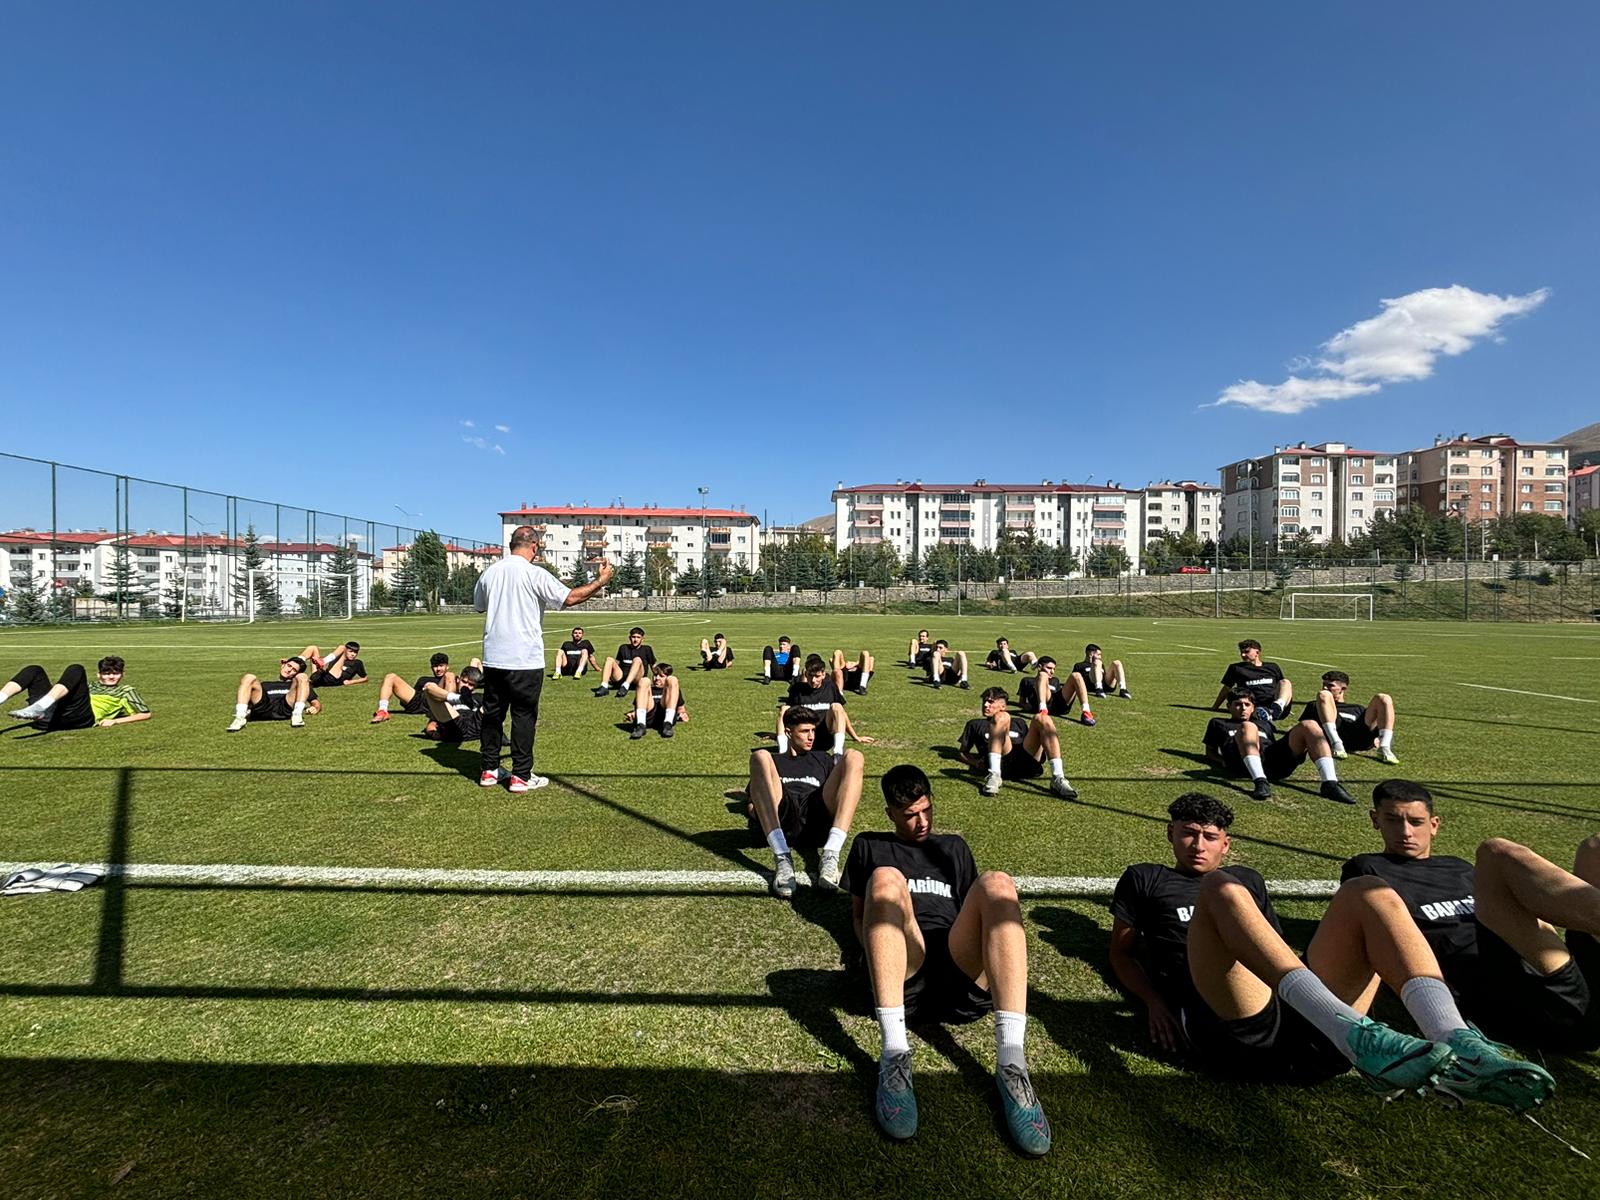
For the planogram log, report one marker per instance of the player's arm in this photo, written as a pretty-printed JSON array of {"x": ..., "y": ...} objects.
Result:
[
  {"x": 850, "y": 730},
  {"x": 1222, "y": 697},
  {"x": 127, "y": 720},
  {"x": 352, "y": 680},
  {"x": 1165, "y": 1029}
]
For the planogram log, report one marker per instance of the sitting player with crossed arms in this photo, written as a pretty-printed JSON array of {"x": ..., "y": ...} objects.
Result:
[
  {"x": 412, "y": 701},
  {"x": 575, "y": 656},
  {"x": 1008, "y": 747}
]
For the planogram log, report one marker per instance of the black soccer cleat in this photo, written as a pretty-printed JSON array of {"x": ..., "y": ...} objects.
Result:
[
  {"x": 636, "y": 732},
  {"x": 600, "y": 691},
  {"x": 1262, "y": 791},
  {"x": 666, "y": 729},
  {"x": 1333, "y": 790}
]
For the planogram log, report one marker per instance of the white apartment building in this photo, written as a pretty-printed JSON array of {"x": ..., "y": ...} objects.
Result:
[
  {"x": 572, "y": 534},
  {"x": 915, "y": 517},
  {"x": 455, "y": 557},
  {"x": 1327, "y": 491},
  {"x": 1169, "y": 509}
]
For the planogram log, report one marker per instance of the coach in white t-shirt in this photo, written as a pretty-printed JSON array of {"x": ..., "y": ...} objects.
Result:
[{"x": 513, "y": 595}]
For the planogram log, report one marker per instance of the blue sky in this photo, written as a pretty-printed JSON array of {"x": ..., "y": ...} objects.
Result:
[{"x": 290, "y": 250}]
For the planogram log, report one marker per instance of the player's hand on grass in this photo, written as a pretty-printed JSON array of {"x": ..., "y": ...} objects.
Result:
[
  {"x": 865, "y": 739},
  {"x": 1165, "y": 1030},
  {"x": 108, "y": 722}
]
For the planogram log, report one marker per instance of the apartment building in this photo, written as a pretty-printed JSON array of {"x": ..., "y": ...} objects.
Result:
[
  {"x": 579, "y": 533},
  {"x": 1487, "y": 477},
  {"x": 1326, "y": 491},
  {"x": 455, "y": 557},
  {"x": 1583, "y": 492},
  {"x": 1169, "y": 509}
]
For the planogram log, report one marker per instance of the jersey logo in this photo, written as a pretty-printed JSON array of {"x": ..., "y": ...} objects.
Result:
[
  {"x": 1185, "y": 912},
  {"x": 1450, "y": 908},
  {"x": 930, "y": 887},
  {"x": 814, "y": 782}
]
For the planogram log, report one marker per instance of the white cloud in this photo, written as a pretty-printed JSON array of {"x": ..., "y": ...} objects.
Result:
[
  {"x": 469, "y": 424},
  {"x": 1398, "y": 345},
  {"x": 480, "y": 443},
  {"x": 502, "y": 429},
  {"x": 498, "y": 448}
]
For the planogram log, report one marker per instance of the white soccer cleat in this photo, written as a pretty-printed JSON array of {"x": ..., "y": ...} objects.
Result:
[
  {"x": 297, "y": 720},
  {"x": 1336, "y": 748},
  {"x": 238, "y": 724},
  {"x": 991, "y": 784}
]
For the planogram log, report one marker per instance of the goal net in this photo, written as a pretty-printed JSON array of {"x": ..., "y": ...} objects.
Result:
[
  {"x": 327, "y": 595},
  {"x": 1326, "y": 606}
]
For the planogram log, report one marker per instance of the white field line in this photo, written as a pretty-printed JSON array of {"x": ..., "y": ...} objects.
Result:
[
  {"x": 254, "y": 647},
  {"x": 1306, "y": 661},
  {"x": 1518, "y": 691},
  {"x": 559, "y": 881}
]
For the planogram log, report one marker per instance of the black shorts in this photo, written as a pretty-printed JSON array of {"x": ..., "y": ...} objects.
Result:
[
  {"x": 467, "y": 727},
  {"x": 711, "y": 662},
  {"x": 570, "y": 667},
  {"x": 940, "y": 991},
  {"x": 1357, "y": 735},
  {"x": 417, "y": 706},
  {"x": 805, "y": 822},
  {"x": 323, "y": 679},
  {"x": 1019, "y": 764},
  {"x": 852, "y": 679},
  {"x": 271, "y": 708},
  {"x": 1277, "y": 1045},
  {"x": 657, "y": 716},
  {"x": 1278, "y": 760},
  {"x": 1513, "y": 1002},
  {"x": 950, "y": 674},
  {"x": 923, "y": 658}
]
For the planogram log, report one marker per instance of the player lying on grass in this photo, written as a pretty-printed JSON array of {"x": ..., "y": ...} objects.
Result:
[
  {"x": 1199, "y": 944},
  {"x": 77, "y": 702},
  {"x": 455, "y": 716},
  {"x": 1044, "y": 693},
  {"x": 1349, "y": 726},
  {"x": 781, "y": 663},
  {"x": 1247, "y": 743},
  {"x": 816, "y": 691},
  {"x": 947, "y": 666},
  {"x": 920, "y": 650},
  {"x": 658, "y": 703},
  {"x": 853, "y": 675},
  {"x": 342, "y": 668},
  {"x": 716, "y": 654},
  {"x": 1003, "y": 658},
  {"x": 289, "y": 697},
  {"x": 628, "y": 666},
  {"x": 1493, "y": 927},
  {"x": 943, "y": 944},
  {"x": 575, "y": 656},
  {"x": 1263, "y": 680},
  {"x": 412, "y": 701},
  {"x": 1007, "y": 747},
  {"x": 802, "y": 797},
  {"x": 1099, "y": 677}
]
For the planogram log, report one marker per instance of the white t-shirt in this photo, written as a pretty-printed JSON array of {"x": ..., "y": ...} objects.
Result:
[{"x": 514, "y": 594}]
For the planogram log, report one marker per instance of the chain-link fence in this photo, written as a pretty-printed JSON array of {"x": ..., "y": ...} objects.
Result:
[{"x": 82, "y": 544}]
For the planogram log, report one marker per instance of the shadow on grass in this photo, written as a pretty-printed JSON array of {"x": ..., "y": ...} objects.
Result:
[{"x": 1421, "y": 716}]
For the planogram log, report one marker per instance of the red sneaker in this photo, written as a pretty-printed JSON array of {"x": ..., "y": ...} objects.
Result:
[
  {"x": 489, "y": 779},
  {"x": 379, "y": 717}
]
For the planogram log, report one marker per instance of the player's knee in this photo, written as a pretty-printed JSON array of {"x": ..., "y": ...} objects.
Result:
[
  {"x": 1498, "y": 850},
  {"x": 997, "y": 885},
  {"x": 887, "y": 884},
  {"x": 1385, "y": 699},
  {"x": 1588, "y": 859},
  {"x": 1371, "y": 892},
  {"x": 247, "y": 679},
  {"x": 1221, "y": 888},
  {"x": 852, "y": 760}
]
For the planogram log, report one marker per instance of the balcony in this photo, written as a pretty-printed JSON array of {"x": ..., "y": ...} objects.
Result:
[
  {"x": 869, "y": 507},
  {"x": 659, "y": 543}
]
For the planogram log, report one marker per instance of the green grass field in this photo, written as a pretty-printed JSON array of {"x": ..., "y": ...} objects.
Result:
[{"x": 182, "y": 1037}]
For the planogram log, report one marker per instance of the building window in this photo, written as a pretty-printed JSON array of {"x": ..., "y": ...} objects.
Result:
[
  {"x": 1552, "y": 506},
  {"x": 1526, "y": 471},
  {"x": 1289, "y": 494},
  {"x": 1525, "y": 506},
  {"x": 1289, "y": 477},
  {"x": 1317, "y": 477},
  {"x": 1458, "y": 454},
  {"x": 1291, "y": 460},
  {"x": 1527, "y": 454},
  {"x": 1383, "y": 494},
  {"x": 1358, "y": 480},
  {"x": 1319, "y": 462},
  {"x": 1358, "y": 462},
  {"x": 1358, "y": 495}
]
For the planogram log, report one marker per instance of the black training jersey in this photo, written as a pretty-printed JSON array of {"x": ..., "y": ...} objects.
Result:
[
  {"x": 1222, "y": 732},
  {"x": 817, "y": 699},
  {"x": 1260, "y": 681},
  {"x": 975, "y": 737},
  {"x": 1349, "y": 714},
  {"x": 572, "y": 649},
  {"x": 626, "y": 653},
  {"x": 1438, "y": 891},
  {"x": 801, "y": 774},
  {"x": 940, "y": 872},
  {"x": 1158, "y": 901}
]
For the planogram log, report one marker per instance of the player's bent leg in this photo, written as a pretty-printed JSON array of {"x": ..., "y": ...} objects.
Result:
[
  {"x": 1521, "y": 895},
  {"x": 644, "y": 700},
  {"x": 1308, "y": 738},
  {"x": 607, "y": 673},
  {"x": 842, "y": 794},
  {"x": 894, "y": 951}
]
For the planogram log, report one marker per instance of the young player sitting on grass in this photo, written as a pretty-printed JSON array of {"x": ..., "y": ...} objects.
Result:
[
  {"x": 455, "y": 715},
  {"x": 920, "y": 650},
  {"x": 342, "y": 668},
  {"x": 412, "y": 702},
  {"x": 1200, "y": 945},
  {"x": 289, "y": 697},
  {"x": 1493, "y": 927},
  {"x": 1349, "y": 726},
  {"x": 947, "y": 666},
  {"x": 943, "y": 944},
  {"x": 1044, "y": 693},
  {"x": 802, "y": 797},
  {"x": 575, "y": 656},
  {"x": 1265, "y": 682},
  {"x": 1007, "y": 747},
  {"x": 816, "y": 691},
  {"x": 1247, "y": 743},
  {"x": 76, "y": 702},
  {"x": 1003, "y": 658},
  {"x": 853, "y": 675},
  {"x": 1099, "y": 678},
  {"x": 782, "y": 663},
  {"x": 628, "y": 666},
  {"x": 716, "y": 654},
  {"x": 658, "y": 703}
]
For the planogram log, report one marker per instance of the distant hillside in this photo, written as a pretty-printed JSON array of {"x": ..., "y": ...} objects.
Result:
[
  {"x": 1584, "y": 444},
  {"x": 823, "y": 525}
]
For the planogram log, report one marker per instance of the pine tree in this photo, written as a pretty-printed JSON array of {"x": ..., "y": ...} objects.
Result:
[
  {"x": 267, "y": 603},
  {"x": 629, "y": 575},
  {"x": 338, "y": 592},
  {"x": 430, "y": 565}
]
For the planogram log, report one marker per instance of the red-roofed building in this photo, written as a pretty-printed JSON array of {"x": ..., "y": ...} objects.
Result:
[
  {"x": 1583, "y": 492},
  {"x": 572, "y": 533},
  {"x": 1486, "y": 477}
]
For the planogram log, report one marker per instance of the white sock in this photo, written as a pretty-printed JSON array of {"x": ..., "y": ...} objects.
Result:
[
  {"x": 1252, "y": 764},
  {"x": 452, "y": 697},
  {"x": 779, "y": 843},
  {"x": 838, "y": 744},
  {"x": 766, "y": 668},
  {"x": 994, "y": 763},
  {"x": 240, "y": 711},
  {"x": 44, "y": 703},
  {"x": 783, "y": 743},
  {"x": 963, "y": 678},
  {"x": 1432, "y": 1007},
  {"x": 892, "y": 1027},
  {"x": 1302, "y": 991},
  {"x": 300, "y": 709},
  {"x": 835, "y": 840},
  {"x": 638, "y": 716},
  {"x": 1331, "y": 728},
  {"x": 1010, "y": 1028},
  {"x": 383, "y": 706},
  {"x": 865, "y": 676},
  {"x": 1386, "y": 739},
  {"x": 1057, "y": 769},
  {"x": 669, "y": 716},
  {"x": 1326, "y": 769}
]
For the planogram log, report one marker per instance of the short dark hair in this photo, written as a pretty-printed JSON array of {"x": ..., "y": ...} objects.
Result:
[
  {"x": 941, "y": 642},
  {"x": 111, "y": 663},
  {"x": 1336, "y": 677},
  {"x": 904, "y": 785},
  {"x": 1402, "y": 791},
  {"x": 999, "y": 640},
  {"x": 798, "y": 715},
  {"x": 1249, "y": 644},
  {"x": 472, "y": 676},
  {"x": 1090, "y": 649},
  {"x": 297, "y": 660},
  {"x": 523, "y": 535},
  {"x": 922, "y": 633},
  {"x": 661, "y": 668},
  {"x": 1240, "y": 693},
  {"x": 784, "y": 639},
  {"x": 1201, "y": 809},
  {"x": 353, "y": 647},
  {"x": 716, "y": 637},
  {"x": 1046, "y": 659},
  {"x": 635, "y": 630},
  {"x": 995, "y": 693},
  {"x": 441, "y": 659},
  {"x": 814, "y": 663}
]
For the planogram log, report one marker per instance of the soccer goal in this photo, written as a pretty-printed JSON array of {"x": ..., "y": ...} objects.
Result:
[
  {"x": 1326, "y": 606},
  {"x": 329, "y": 595}
]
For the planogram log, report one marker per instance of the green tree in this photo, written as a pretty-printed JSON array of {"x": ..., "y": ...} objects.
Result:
[
  {"x": 939, "y": 568},
  {"x": 127, "y": 590},
  {"x": 461, "y": 585},
  {"x": 403, "y": 591},
  {"x": 24, "y": 603},
  {"x": 629, "y": 575},
  {"x": 1064, "y": 561},
  {"x": 1107, "y": 560},
  {"x": 264, "y": 587},
  {"x": 687, "y": 583},
  {"x": 336, "y": 596},
  {"x": 378, "y": 596},
  {"x": 430, "y": 565},
  {"x": 658, "y": 570},
  {"x": 578, "y": 575}
]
